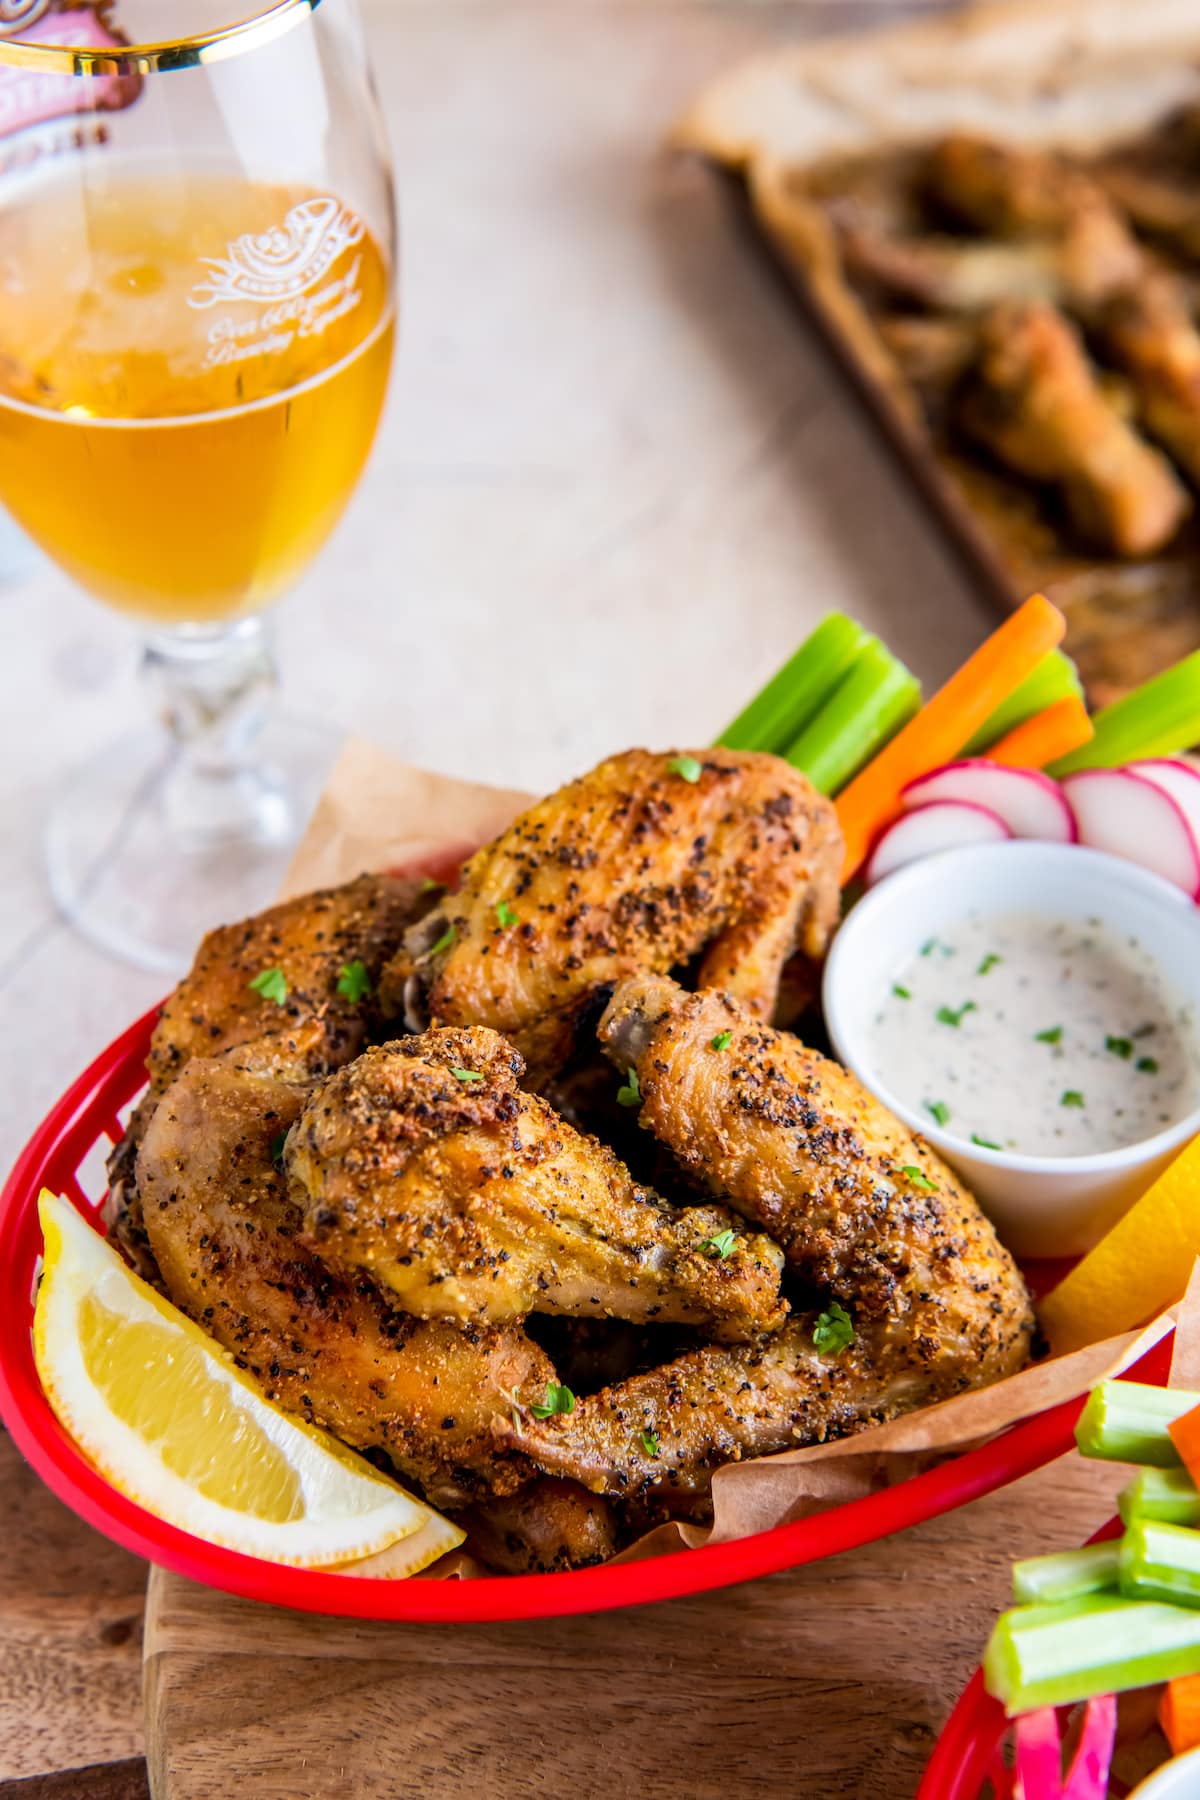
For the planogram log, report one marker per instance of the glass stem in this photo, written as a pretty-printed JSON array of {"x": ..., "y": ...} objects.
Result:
[{"x": 213, "y": 689}]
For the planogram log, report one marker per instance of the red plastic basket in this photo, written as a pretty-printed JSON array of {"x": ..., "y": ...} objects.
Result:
[
  {"x": 66, "y": 1155},
  {"x": 974, "y": 1732}
]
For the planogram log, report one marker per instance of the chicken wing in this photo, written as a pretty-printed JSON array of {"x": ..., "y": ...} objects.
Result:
[
  {"x": 659, "y": 1436},
  {"x": 317, "y": 1019},
  {"x": 551, "y": 1524},
  {"x": 1139, "y": 311},
  {"x": 424, "y": 1165},
  {"x": 646, "y": 862},
  {"x": 866, "y": 1214},
  {"x": 863, "y": 1210},
  {"x": 1036, "y": 402},
  {"x": 226, "y": 1239}
]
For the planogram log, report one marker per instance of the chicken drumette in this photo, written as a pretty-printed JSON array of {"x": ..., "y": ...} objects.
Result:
[
  {"x": 867, "y": 1216},
  {"x": 647, "y": 862},
  {"x": 424, "y": 1165}
]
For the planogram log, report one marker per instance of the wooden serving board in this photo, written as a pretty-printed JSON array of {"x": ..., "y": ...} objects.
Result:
[{"x": 824, "y": 1682}]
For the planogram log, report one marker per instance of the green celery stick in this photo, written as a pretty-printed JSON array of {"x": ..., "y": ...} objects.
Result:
[
  {"x": 1125, "y": 1421},
  {"x": 1157, "y": 719},
  {"x": 794, "y": 694},
  {"x": 1160, "y": 1562},
  {"x": 1066, "y": 1574},
  {"x": 1166, "y": 1494},
  {"x": 864, "y": 712},
  {"x": 1103, "y": 1644},
  {"x": 1054, "y": 678}
]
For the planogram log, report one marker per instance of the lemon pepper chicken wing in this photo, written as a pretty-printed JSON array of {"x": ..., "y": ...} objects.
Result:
[
  {"x": 865, "y": 1213},
  {"x": 227, "y": 1241},
  {"x": 423, "y": 1165},
  {"x": 302, "y": 1027},
  {"x": 635, "y": 865}
]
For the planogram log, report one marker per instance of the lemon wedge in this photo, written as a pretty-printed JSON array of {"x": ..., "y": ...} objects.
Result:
[
  {"x": 1140, "y": 1267},
  {"x": 169, "y": 1420}
]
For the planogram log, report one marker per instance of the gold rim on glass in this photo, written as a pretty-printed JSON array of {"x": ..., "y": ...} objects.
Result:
[{"x": 144, "y": 59}]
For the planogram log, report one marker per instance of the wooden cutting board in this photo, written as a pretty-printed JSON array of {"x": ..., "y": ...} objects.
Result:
[{"x": 825, "y": 1682}]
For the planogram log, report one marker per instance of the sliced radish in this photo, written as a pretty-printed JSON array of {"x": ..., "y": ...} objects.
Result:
[
  {"x": 1177, "y": 778},
  {"x": 942, "y": 825},
  {"x": 1031, "y": 805},
  {"x": 1127, "y": 815}
]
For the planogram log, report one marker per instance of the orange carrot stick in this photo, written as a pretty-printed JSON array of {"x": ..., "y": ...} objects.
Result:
[
  {"x": 1179, "y": 1713},
  {"x": 1055, "y": 732},
  {"x": 1185, "y": 1435},
  {"x": 945, "y": 723}
]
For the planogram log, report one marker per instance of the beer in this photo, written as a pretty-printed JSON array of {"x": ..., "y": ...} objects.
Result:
[{"x": 192, "y": 370}]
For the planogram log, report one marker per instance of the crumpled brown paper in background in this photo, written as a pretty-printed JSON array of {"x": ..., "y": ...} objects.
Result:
[{"x": 377, "y": 813}]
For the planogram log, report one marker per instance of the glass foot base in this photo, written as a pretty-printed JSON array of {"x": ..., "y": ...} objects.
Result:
[{"x": 123, "y": 875}]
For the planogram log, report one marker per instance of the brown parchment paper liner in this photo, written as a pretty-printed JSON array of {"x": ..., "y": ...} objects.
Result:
[{"x": 377, "y": 813}]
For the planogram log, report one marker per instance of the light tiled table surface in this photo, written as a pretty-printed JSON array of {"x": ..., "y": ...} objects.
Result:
[{"x": 617, "y": 480}]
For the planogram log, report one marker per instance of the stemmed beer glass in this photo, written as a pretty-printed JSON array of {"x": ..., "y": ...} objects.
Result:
[{"x": 197, "y": 312}]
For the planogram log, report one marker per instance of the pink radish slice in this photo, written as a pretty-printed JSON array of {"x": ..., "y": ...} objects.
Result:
[
  {"x": 942, "y": 825},
  {"x": 1179, "y": 780},
  {"x": 1031, "y": 805},
  {"x": 1123, "y": 813}
]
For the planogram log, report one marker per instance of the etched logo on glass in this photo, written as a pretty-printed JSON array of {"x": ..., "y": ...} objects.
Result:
[{"x": 278, "y": 264}]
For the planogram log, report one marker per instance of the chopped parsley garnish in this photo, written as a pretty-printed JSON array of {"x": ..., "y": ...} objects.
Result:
[
  {"x": 277, "y": 1143},
  {"x": 954, "y": 1015},
  {"x": 354, "y": 983},
  {"x": 631, "y": 1093},
  {"x": 989, "y": 962},
  {"x": 900, "y": 991},
  {"x": 1119, "y": 1046},
  {"x": 1146, "y": 1065},
  {"x": 720, "y": 1244},
  {"x": 444, "y": 942},
  {"x": 834, "y": 1329},
  {"x": 559, "y": 1399},
  {"x": 1051, "y": 1035},
  {"x": 917, "y": 1177},
  {"x": 427, "y": 886},
  {"x": 271, "y": 984},
  {"x": 985, "y": 1143},
  {"x": 1072, "y": 1097},
  {"x": 466, "y": 1076},
  {"x": 722, "y": 1041},
  {"x": 687, "y": 767},
  {"x": 505, "y": 916},
  {"x": 937, "y": 1109},
  {"x": 929, "y": 946},
  {"x": 649, "y": 1442}
]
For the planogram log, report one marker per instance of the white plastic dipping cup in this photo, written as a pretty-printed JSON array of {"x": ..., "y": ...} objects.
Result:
[
  {"x": 1177, "y": 1780},
  {"x": 1041, "y": 1205}
]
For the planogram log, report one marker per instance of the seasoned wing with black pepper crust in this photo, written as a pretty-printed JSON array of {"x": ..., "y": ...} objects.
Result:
[
  {"x": 312, "y": 1029},
  {"x": 864, "y": 1211},
  {"x": 866, "y": 1214},
  {"x": 633, "y": 866},
  {"x": 423, "y": 1165},
  {"x": 227, "y": 1241}
]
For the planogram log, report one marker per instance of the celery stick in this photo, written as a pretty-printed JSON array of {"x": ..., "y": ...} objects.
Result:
[
  {"x": 795, "y": 693},
  {"x": 1125, "y": 1421},
  {"x": 864, "y": 712},
  {"x": 1160, "y": 1562},
  {"x": 1066, "y": 1574},
  {"x": 1102, "y": 1644},
  {"x": 1167, "y": 1494},
  {"x": 1157, "y": 719},
  {"x": 1054, "y": 678}
]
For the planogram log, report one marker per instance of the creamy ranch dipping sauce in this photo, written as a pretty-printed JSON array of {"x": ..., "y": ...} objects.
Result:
[{"x": 1043, "y": 1036}]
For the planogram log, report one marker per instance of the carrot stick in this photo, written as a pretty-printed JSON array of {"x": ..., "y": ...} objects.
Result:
[
  {"x": 1185, "y": 1435},
  {"x": 1179, "y": 1713},
  {"x": 1033, "y": 743},
  {"x": 945, "y": 723}
]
